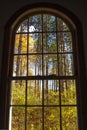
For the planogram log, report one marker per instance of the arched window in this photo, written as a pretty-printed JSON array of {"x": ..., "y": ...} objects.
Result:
[{"x": 42, "y": 67}]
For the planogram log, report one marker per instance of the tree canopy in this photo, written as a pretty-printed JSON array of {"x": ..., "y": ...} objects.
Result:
[{"x": 43, "y": 47}]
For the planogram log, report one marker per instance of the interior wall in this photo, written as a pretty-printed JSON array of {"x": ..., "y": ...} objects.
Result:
[{"x": 8, "y": 8}]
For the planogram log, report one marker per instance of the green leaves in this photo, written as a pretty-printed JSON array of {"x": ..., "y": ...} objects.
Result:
[{"x": 37, "y": 114}]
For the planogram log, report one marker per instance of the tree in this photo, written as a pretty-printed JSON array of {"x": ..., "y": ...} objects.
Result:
[
  {"x": 51, "y": 114},
  {"x": 44, "y": 52}
]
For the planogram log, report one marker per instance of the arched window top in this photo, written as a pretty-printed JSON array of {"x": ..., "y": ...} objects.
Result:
[
  {"x": 42, "y": 22},
  {"x": 45, "y": 10},
  {"x": 43, "y": 82},
  {"x": 41, "y": 63},
  {"x": 47, "y": 39}
]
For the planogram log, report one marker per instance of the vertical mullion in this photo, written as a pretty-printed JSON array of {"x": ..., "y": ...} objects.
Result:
[
  {"x": 42, "y": 104},
  {"x": 42, "y": 47},
  {"x": 26, "y": 107},
  {"x": 42, "y": 80},
  {"x": 28, "y": 48},
  {"x": 60, "y": 105},
  {"x": 57, "y": 48},
  {"x": 64, "y": 64}
]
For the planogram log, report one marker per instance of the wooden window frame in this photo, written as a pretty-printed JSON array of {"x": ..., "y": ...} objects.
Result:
[{"x": 80, "y": 64}]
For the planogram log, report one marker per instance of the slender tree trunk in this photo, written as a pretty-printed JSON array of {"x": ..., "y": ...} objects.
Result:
[{"x": 18, "y": 58}]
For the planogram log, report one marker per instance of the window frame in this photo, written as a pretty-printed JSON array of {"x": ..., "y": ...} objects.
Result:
[{"x": 6, "y": 70}]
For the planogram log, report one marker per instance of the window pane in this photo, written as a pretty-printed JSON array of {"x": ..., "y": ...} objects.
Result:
[
  {"x": 68, "y": 92},
  {"x": 51, "y": 92},
  {"x": 20, "y": 44},
  {"x": 49, "y": 22},
  {"x": 35, "y": 43},
  {"x": 51, "y": 118},
  {"x": 64, "y": 42},
  {"x": 35, "y": 23},
  {"x": 69, "y": 118},
  {"x": 23, "y": 27},
  {"x": 35, "y": 65},
  {"x": 61, "y": 25},
  {"x": 34, "y": 118},
  {"x": 20, "y": 65},
  {"x": 50, "y": 64},
  {"x": 65, "y": 64},
  {"x": 49, "y": 43},
  {"x": 17, "y": 118},
  {"x": 18, "y": 92},
  {"x": 34, "y": 92},
  {"x": 43, "y": 98}
]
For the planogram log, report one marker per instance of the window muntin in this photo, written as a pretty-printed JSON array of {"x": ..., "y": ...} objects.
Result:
[
  {"x": 44, "y": 106},
  {"x": 43, "y": 42},
  {"x": 43, "y": 86}
]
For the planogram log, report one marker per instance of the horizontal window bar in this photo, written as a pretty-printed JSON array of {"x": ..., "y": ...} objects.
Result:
[
  {"x": 72, "y": 105},
  {"x": 42, "y": 77}
]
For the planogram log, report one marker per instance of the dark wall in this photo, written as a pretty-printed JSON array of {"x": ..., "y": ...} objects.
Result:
[
  {"x": 8, "y": 8},
  {"x": 79, "y": 8}
]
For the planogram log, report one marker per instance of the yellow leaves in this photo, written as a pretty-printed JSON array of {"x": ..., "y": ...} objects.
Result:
[
  {"x": 51, "y": 114},
  {"x": 24, "y": 42},
  {"x": 51, "y": 117},
  {"x": 30, "y": 72},
  {"x": 21, "y": 43},
  {"x": 53, "y": 71},
  {"x": 31, "y": 44}
]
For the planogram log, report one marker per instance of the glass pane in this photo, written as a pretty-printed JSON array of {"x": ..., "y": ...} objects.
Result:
[
  {"x": 66, "y": 65},
  {"x": 35, "y": 23},
  {"x": 34, "y": 92},
  {"x": 49, "y": 43},
  {"x": 50, "y": 64},
  {"x": 35, "y": 65},
  {"x": 68, "y": 92},
  {"x": 43, "y": 47},
  {"x": 18, "y": 92},
  {"x": 49, "y": 22},
  {"x": 64, "y": 42},
  {"x": 61, "y": 25},
  {"x": 34, "y": 118},
  {"x": 52, "y": 118},
  {"x": 20, "y": 44},
  {"x": 69, "y": 118},
  {"x": 17, "y": 118},
  {"x": 20, "y": 65},
  {"x": 35, "y": 43},
  {"x": 51, "y": 92},
  {"x": 23, "y": 27}
]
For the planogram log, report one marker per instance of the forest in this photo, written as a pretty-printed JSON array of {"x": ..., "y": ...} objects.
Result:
[{"x": 42, "y": 95}]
